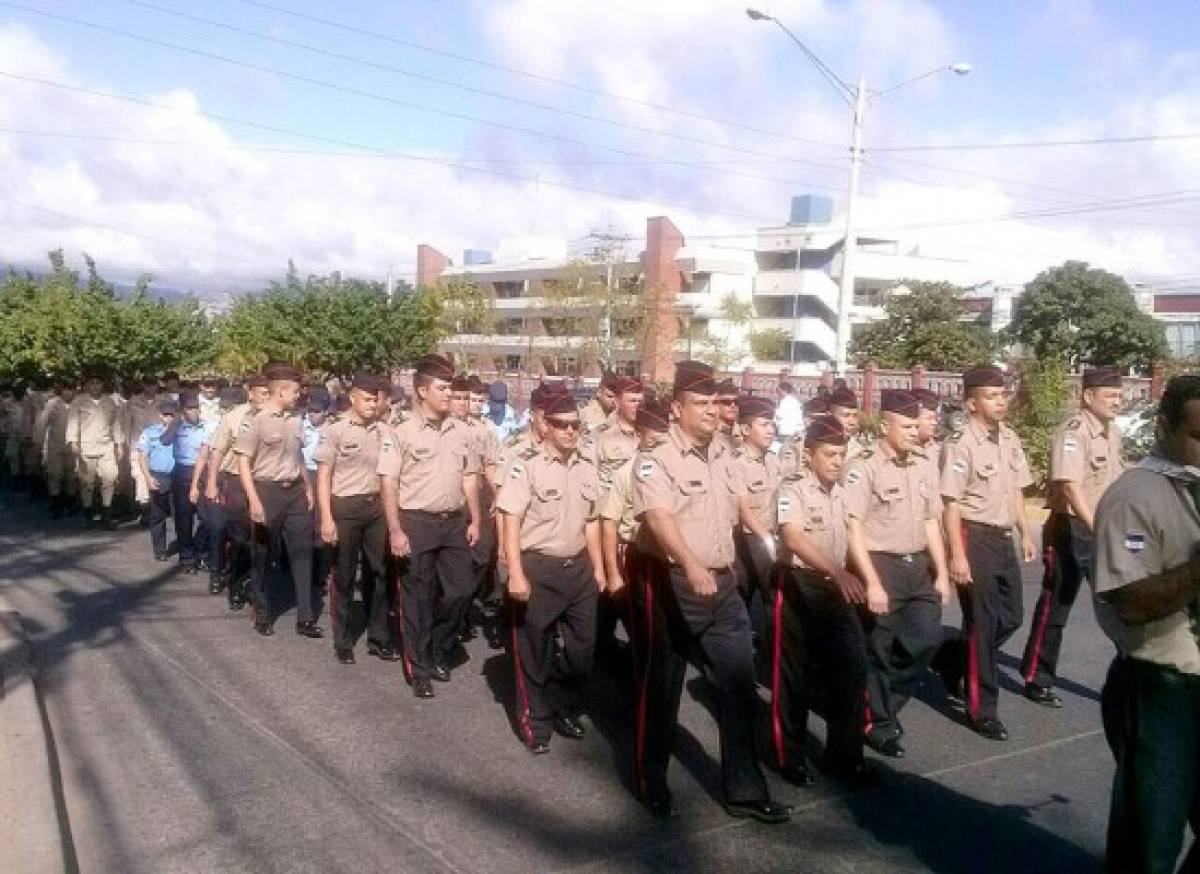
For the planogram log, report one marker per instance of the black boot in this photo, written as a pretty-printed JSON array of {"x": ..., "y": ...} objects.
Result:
[
  {"x": 106, "y": 519},
  {"x": 56, "y": 506}
]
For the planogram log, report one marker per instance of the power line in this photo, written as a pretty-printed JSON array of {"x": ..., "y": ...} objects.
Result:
[
  {"x": 1043, "y": 144},
  {"x": 396, "y": 101},
  {"x": 537, "y": 77},
  {"x": 445, "y": 162}
]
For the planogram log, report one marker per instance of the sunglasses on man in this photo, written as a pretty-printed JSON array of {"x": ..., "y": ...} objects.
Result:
[{"x": 563, "y": 424}]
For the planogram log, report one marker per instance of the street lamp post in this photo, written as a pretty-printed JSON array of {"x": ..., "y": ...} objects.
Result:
[{"x": 856, "y": 98}]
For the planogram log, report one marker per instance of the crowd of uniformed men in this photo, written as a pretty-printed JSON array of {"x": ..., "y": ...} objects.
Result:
[{"x": 759, "y": 541}]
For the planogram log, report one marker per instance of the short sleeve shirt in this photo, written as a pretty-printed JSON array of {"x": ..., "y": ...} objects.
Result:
[
  {"x": 756, "y": 477},
  {"x": 1146, "y": 523},
  {"x": 615, "y": 446},
  {"x": 1087, "y": 452},
  {"x": 980, "y": 472},
  {"x": 188, "y": 440},
  {"x": 234, "y": 422},
  {"x": 554, "y": 499},
  {"x": 616, "y": 503},
  {"x": 893, "y": 498},
  {"x": 695, "y": 485},
  {"x": 351, "y": 449},
  {"x": 273, "y": 443},
  {"x": 429, "y": 459},
  {"x": 819, "y": 512},
  {"x": 160, "y": 457}
]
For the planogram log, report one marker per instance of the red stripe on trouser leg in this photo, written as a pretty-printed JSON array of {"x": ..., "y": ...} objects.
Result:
[
  {"x": 639, "y": 759},
  {"x": 868, "y": 719},
  {"x": 776, "y": 656},
  {"x": 972, "y": 638},
  {"x": 333, "y": 607},
  {"x": 523, "y": 722},
  {"x": 1042, "y": 619},
  {"x": 405, "y": 662},
  {"x": 628, "y": 569}
]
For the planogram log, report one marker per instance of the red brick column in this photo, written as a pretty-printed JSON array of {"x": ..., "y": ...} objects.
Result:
[
  {"x": 663, "y": 284},
  {"x": 1158, "y": 379},
  {"x": 870, "y": 379},
  {"x": 430, "y": 264},
  {"x": 917, "y": 378}
]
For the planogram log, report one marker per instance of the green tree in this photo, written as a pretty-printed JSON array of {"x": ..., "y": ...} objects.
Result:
[
  {"x": 1080, "y": 315},
  {"x": 769, "y": 345},
  {"x": 924, "y": 327},
  {"x": 1039, "y": 407}
]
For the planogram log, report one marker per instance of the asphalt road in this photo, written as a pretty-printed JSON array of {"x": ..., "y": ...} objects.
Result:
[{"x": 188, "y": 743}]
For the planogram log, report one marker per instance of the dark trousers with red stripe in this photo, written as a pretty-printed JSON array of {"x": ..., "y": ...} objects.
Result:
[
  {"x": 436, "y": 589},
  {"x": 552, "y": 681},
  {"x": 1066, "y": 550},
  {"x": 362, "y": 535},
  {"x": 992, "y": 612},
  {"x": 232, "y": 551},
  {"x": 715, "y": 631},
  {"x": 288, "y": 525},
  {"x": 819, "y": 654},
  {"x": 901, "y": 644}
]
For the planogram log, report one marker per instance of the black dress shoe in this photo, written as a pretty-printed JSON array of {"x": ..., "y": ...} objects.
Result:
[
  {"x": 569, "y": 726},
  {"x": 382, "y": 651},
  {"x": 856, "y": 775},
  {"x": 992, "y": 729},
  {"x": 266, "y": 629},
  {"x": 441, "y": 673},
  {"x": 466, "y": 635},
  {"x": 797, "y": 775},
  {"x": 309, "y": 629},
  {"x": 1043, "y": 695},
  {"x": 344, "y": 656},
  {"x": 422, "y": 688},
  {"x": 769, "y": 812},
  {"x": 891, "y": 747},
  {"x": 162, "y": 557},
  {"x": 539, "y": 748},
  {"x": 189, "y": 569},
  {"x": 216, "y": 585},
  {"x": 661, "y": 805}
]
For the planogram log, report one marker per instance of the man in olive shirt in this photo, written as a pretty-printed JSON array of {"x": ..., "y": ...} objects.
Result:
[
  {"x": 555, "y": 573},
  {"x": 430, "y": 474},
  {"x": 50, "y": 437},
  {"x": 818, "y": 636},
  {"x": 596, "y": 411},
  {"x": 280, "y": 497},
  {"x": 351, "y": 514},
  {"x": 895, "y": 544},
  {"x": 683, "y": 492},
  {"x": 1146, "y": 584},
  {"x": 1085, "y": 459},
  {"x": 984, "y": 474}
]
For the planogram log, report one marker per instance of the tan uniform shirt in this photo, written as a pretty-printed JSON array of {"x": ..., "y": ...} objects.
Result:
[
  {"x": 274, "y": 443},
  {"x": 94, "y": 425},
  {"x": 617, "y": 444},
  {"x": 892, "y": 498},
  {"x": 756, "y": 477},
  {"x": 508, "y": 453},
  {"x": 429, "y": 460},
  {"x": 791, "y": 458},
  {"x": 233, "y": 423},
  {"x": 1146, "y": 524},
  {"x": 487, "y": 445},
  {"x": 857, "y": 445},
  {"x": 50, "y": 430},
  {"x": 592, "y": 415},
  {"x": 554, "y": 499},
  {"x": 820, "y": 513},
  {"x": 351, "y": 449},
  {"x": 617, "y": 502},
  {"x": 1087, "y": 452},
  {"x": 139, "y": 414},
  {"x": 981, "y": 471},
  {"x": 695, "y": 485}
]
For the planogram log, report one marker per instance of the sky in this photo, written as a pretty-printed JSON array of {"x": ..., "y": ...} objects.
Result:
[{"x": 208, "y": 144}]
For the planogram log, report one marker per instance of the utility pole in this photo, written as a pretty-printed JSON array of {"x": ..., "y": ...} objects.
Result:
[
  {"x": 850, "y": 244},
  {"x": 606, "y": 248}
]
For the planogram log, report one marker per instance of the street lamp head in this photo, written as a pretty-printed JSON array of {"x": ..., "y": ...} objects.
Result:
[
  {"x": 756, "y": 15},
  {"x": 960, "y": 67}
]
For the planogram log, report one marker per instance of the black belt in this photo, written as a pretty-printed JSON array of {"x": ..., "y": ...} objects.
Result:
[
  {"x": 906, "y": 557},
  {"x": 564, "y": 561},
  {"x": 280, "y": 484},
  {"x": 1006, "y": 530},
  {"x": 369, "y": 496},
  {"x": 435, "y": 514}
]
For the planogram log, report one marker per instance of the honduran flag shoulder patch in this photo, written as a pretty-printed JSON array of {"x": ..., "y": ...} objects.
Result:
[{"x": 1135, "y": 541}]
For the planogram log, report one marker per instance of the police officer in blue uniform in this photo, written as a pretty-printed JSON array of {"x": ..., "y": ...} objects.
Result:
[
  {"x": 186, "y": 437},
  {"x": 155, "y": 458}
]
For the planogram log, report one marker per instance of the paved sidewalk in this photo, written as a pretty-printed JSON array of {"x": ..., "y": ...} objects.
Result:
[{"x": 187, "y": 743}]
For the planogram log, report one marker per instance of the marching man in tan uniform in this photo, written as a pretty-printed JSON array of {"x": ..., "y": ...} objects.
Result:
[
  {"x": 818, "y": 635},
  {"x": 596, "y": 411},
  {"x": 555, "y": 573},
  {"x": 756, "y": 478},
  {"x": 430, "y": 472},
  {"x": 96, "y": 436},
  {"x": 50, "y": 436},
  {"x": 895, "y": 544},
  {"x": 984, "y": 474},
  {"x": 351, "y": 513},
  {"x": 273, "y": 476},
  {"x": 727, "y": 414},
  {"x": 683, "y": 492},
  {"x": 1085, "y": 459},
  {"x": 140, "y": 413}
]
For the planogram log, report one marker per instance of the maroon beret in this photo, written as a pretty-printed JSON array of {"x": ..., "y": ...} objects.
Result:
[
  {"x": 653, "y": 416},
  {"x": 750, "y": 407},
  {"x": 560, "y": 404},
  {"x": 475, "y": 384},
  {"x": 460, "y": 383},
  {"x": 926, "y": 398},
  {"x": 281, "y": 372},
  {"x": 545, "y": 392},
  {"x": 900, "y": 402},
  {"x": 816, "y": 407},
  {"x": 982, "y": 376},
  {"x": 627, "y": 384},
  {"x": 726, "y": 387},
  {"x": 1105, "y": 376},
  {"x": 366, "y": 381},
  {"x": 608, "y": 380},
  {"x": 825, "y": 429},
  {"x": 434, "y": 366},
  {"x": 842, "y": 397},
  {"x": 694, "y": 376}
]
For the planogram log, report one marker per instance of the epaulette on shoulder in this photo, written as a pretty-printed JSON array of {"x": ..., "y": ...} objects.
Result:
[
  {"x": 526, "y": 454},
  {"x": 514, "y": 438},
  {"x": 796, "y": 477},
  {"x": 866, "y": 453},
  {"x": 1075, "y": 424},
  {"x": 954, "y": 436}
]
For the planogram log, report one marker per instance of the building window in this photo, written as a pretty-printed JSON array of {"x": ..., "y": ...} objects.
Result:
[
  {"x": 512, "y": 362},
  {"x": 511, "y": 289},
  {"x": 1183, "y": 338}
]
